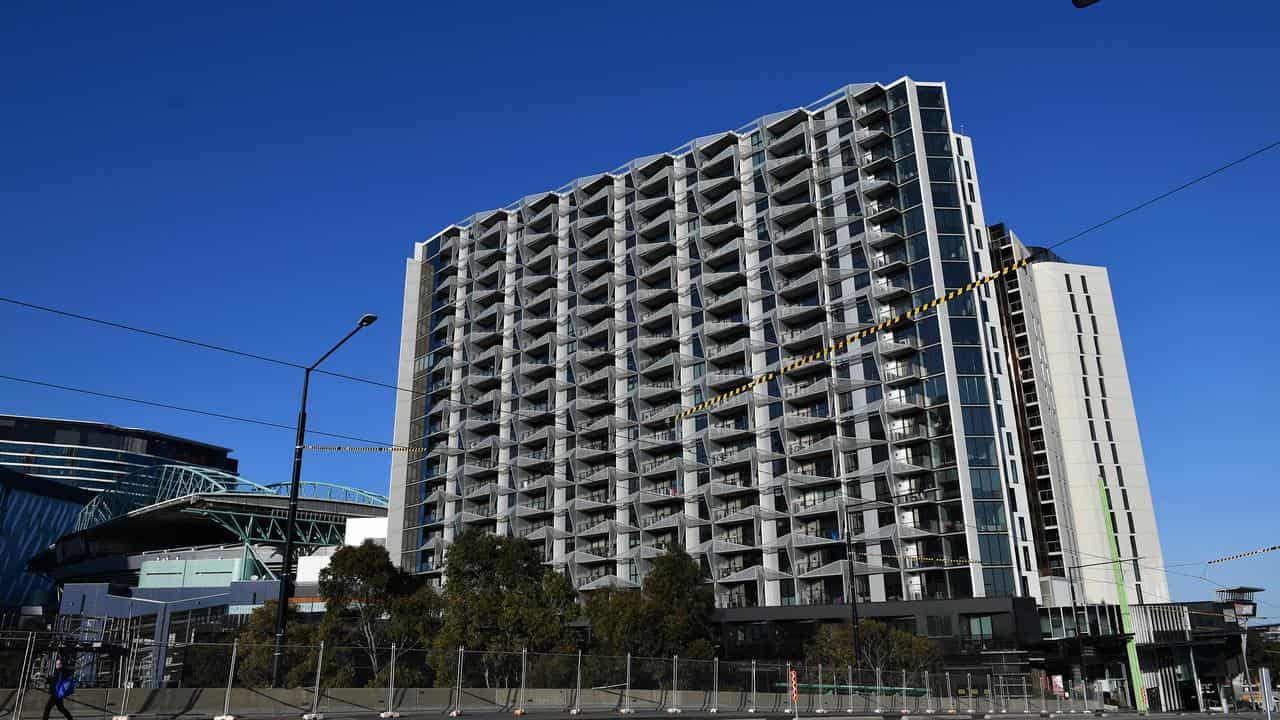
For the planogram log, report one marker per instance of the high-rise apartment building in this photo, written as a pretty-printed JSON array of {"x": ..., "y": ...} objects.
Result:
[
  {"x": 1079, "y": 431},
  {"x": 551, "y": 342}
]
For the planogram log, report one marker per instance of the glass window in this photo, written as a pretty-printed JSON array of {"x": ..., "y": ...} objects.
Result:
[
  {"x": 930, "y": 96},
  {"x": 977, "y": 420},
  {"x": 964, "y": 331},
  {"x": 937, "y": 144},
  {"x": 949, "y": 221},
  {"x": 995, "y": 550},
  {"x": 913, "y": 221},
  {"x": 932, "y": 359},
  {"x": 990, "y": 516},
  {"x": 941, "y": 169},
  {"x": 907, "y": 169},
  {"x": 935, "y": 390},
  {"x": 928, "y": 329},
  {"x": 951, "y": 246},
  {"x": 998, "y": 582},
  {"x": 900, "y": 119},
  {"x": 973, "y": 390},
  {"x": 986, "y": 484},
  {"x": 969, "y": 360},
  {"x": 897, "y": 95},
  {"x": 938, "y": 625},
  {"x": 945, "y": 195},
  {"x": 921, "y": 274},
  {"x": 982, "y": 451},
  {"x": 918, "y": 247},
  {"x": 933, "y": 120},
  {"x": 955, "y": 274},
  {"x": 904, "y": 144},
  {"x": 909, "y": 195}
]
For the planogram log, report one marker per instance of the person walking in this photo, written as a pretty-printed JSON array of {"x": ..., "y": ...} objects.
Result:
[{"x": 61, "y": 684}]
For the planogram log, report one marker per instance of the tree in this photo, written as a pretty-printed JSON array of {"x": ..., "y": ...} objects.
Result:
[
  {"x": 670, "y": 616},
  {"x": 881, "y": 647},
  {"x": 298, "y": 661},
  {"x": 371, "y": 604},
  {"x": 679, "y": 603},
  {"x": 619, "y": 621},
  {"x": 499, "y": 599}
]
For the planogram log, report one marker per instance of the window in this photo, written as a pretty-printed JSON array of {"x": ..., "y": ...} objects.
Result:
[
  {"x": 995, "y": 549},
  {"x": 989, "y": 516},
  {"x": 945, "y": 195},
  {"x": 949, "y": 221},
  {"x": 930, "y": 96},
  {"x": 955, "y": 274},
  {"x": 980, "y": 626},
  {"x": 973, "y": 390},
  {"x": 998, "y": 582},
  {"x": 933, "y": 120},
  {"x": 951, "y": 246},
  {"x": 986, "y": 484},
  {"x": 938, "y": 625},
  {"x": 941, "y": 169},
  {"x": 977, "y": 420},
  {"x": 982, "y": 451},
  {"x": 937, "y": 144},
  {"x": 969, "y": 360},
  {"x": 964, "y": 331}
]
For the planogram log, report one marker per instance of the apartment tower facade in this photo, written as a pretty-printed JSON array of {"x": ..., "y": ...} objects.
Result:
[
  {"x": 550, "y": 344},
  {"x": 1079, "y": 431}
]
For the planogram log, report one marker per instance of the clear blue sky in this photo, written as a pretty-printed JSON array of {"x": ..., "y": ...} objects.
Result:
[{"x": 255, "y": 175}]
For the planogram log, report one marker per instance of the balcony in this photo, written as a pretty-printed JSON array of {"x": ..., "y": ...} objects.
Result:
[
  {"x": 886, "y": 290},
  {"x": 875, "y": 186},
  {"x": 911, "y": 432},
  {"x": 896, "y": 346},
  {"x": 898, "y": 405},
  {"x": 881, "y": 211},
  {"x": 784, "y": 167},
  {"x": 724, "y": 300},
  {"x": 866, "y": 137},
  {"x": 881, "y": 237},
  {"x": 903, "y": 373},
  {"x": 885, "y": 263},
  {"x": 876, "y": 159},
  {"x": 872, "y": 111}
]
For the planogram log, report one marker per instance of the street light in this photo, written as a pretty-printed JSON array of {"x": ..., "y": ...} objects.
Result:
[{"x": 286, "y": 570}]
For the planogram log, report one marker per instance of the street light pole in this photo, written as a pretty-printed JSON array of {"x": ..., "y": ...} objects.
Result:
[{"x": 286, "y": 566}]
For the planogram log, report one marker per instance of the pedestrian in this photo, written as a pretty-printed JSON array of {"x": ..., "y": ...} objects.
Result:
[{"x": 61, "y": 684}]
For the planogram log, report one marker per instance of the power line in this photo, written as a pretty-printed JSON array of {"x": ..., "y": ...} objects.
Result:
[
  {"x": 1221, "y": 168},
  {"x": 377, "y": 383},
  {"x": 180, "y": 408}
]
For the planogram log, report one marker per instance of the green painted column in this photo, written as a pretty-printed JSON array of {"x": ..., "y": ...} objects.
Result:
[{"x": 1126, "y": 621}]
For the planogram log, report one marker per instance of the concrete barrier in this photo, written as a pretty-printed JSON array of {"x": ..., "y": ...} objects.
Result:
[{"x": 206, "y": 703}]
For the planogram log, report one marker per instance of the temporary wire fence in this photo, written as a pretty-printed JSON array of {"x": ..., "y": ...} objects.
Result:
[{"x": 219, "y": 679}]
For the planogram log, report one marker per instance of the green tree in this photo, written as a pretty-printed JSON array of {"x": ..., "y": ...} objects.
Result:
[
  {"x": 371, "y": 604},
  {"x": 670, "y": 616},
  {"x": 881, "y": 647},
  {"x": 619, "y": 621},
  {"x": 298, "y": 658},
  {"x": 499, "y": 599}
]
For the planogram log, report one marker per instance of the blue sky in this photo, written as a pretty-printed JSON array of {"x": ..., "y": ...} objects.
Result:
[{"x": 255, "y": 175}]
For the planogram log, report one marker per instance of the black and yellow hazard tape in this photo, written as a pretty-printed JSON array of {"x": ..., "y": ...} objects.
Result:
[
  {"x": 848, "y": 340},
  {"x": 1239, "y": 556}
]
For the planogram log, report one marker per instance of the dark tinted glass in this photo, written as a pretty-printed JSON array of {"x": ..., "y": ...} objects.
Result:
[{"x": 930, "y": 96}]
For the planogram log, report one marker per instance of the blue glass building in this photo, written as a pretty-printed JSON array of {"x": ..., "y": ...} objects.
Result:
[{"x": 33, "y": 513}]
